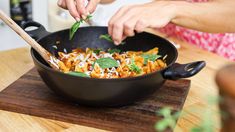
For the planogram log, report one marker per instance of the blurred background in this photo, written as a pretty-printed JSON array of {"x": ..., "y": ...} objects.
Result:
[{"x": 51, "y": 16}]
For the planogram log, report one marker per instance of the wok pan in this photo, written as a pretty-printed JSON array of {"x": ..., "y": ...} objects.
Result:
[{"x": 106, "y": 92}]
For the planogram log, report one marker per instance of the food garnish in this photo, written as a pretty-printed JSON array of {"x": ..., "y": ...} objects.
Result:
[
  {"x": 76, "y": 25},
  {"x": 108, "y": 38},
  {"x": 110, "y": 63}
]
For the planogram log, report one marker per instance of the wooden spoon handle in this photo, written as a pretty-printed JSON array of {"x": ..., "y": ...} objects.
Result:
[{"x": 43, "y": 52}]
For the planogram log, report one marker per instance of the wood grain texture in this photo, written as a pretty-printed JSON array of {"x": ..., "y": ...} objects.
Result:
[
  {"x": 29, "y": 95},
  {"x": 15, "y": 63}
]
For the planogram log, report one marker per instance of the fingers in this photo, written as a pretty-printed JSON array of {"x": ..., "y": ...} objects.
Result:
[
  {"x": 92, "y": 5},
  {"x": 119, "y": 25},
  {"x": 77, "y": 8},
  {"x": 72, "y": 9},
  {"x": 141, "y": 25},
  {"x": 125, "y": 22},
  {"x": 115, "y": 17},
  {"x": 80, "y": 5},
  {"x": 62, "y": 4},
  {"x": 129, "y": 26}
]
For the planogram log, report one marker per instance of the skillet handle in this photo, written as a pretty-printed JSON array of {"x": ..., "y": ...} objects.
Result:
[
  {"x": 37, "y": 33},
  {"x": 177, "y": 71}
]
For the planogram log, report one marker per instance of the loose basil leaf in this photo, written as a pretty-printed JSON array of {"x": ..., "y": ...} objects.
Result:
[
  {"x": 168, "y": 121},
  {"x": 111, "y": 51},
  {"x": 74, "y": 29},
  {"x": 76, "y": 25},
  {"x": 134, "y": 67},
  {"x": 97, "y": 51},
  {"x": 78, "y": 74},
  {"x": 108, "y": 38},
  {"x": 151, "y": 57},
  {"x": 107, "y": 63},
  {"x": 161, "y": 125}
]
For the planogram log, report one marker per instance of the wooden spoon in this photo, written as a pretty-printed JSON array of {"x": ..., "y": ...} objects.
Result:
[{"x": 51, "y": 60}]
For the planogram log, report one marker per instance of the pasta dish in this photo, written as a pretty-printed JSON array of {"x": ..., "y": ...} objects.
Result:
[{"x": 112, "y": 63}]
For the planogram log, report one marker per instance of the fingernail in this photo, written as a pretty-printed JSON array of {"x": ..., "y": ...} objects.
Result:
[
  {"x": 116, "y": 42},
  {"x": 83, "y": 17},
  {"x": 77, "y": 19},
  {"x": 60, "y": 2}
]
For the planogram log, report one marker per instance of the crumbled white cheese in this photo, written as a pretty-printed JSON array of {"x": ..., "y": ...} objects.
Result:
[
  {"x": 54, "y": 61},
  {"x": 55, "y": 47},
  {"x": 81, "y": 64},
  {"x": 87, "y": 57},
  {"x": 65, "y": 51},
  {"x": 107, "y": 55},
  {"x": 88, "y": 73},
  {"x": 95, "y": 56},
  {"x": 127, "y": 60},
  {"x": 80, "y": 57}
]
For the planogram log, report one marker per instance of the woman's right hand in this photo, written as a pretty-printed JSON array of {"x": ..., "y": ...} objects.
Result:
[{"x": 77, "y": 8}]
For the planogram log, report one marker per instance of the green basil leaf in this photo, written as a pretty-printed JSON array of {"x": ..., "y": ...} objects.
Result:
[
  {"x": 88, "y": 17},
  {"x": 74, "y": 29},
  {"x": 109, "y": 38},
  {"x": 197, "y": 129},
  {"x": 151, "y": 57},
  {"x": 107, "y": 63},
  {"x": 161, "y": 125},
  {"x": 106, "y": 37},
  {"x": 97, "y": 51},
  {"x": 166, "y": 112},
  {"x": 76, "y": 25},
  {"x": 78, "y": 74},
  {"x": 134, "y": 67},
  {"x": 111, "y": 51}
]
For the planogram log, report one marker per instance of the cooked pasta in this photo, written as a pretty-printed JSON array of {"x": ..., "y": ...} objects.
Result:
[{"x": 113, "y": 63}]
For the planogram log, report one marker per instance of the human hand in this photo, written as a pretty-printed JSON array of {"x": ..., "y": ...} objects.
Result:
[
  {"x": 139, "y": 17},
  {"x": 77, "y": 8}
]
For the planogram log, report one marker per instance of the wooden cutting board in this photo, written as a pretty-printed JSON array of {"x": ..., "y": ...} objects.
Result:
[{"x": 29, "y": 95}]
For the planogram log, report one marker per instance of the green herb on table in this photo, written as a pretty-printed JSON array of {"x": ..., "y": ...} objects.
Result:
[
  {"x": 168, "y": 121},
  {"x": 106, "y": 63},
  {"x": 108, "y": 38},
  {"x": 78, "y": 74},
  {"x": 76, "y": 25},
  {"x": 151, "y": 57},
  {"x": 208, "y": 124},
  {"x": 111, "y": 51},
  {"x": 134, "y": 67}
]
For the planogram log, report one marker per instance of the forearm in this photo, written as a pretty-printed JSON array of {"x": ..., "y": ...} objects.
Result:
[{"x": 216, "y": 16}]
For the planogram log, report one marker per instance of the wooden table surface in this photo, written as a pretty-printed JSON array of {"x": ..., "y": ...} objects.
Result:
[{"x": 14, "y": 63}]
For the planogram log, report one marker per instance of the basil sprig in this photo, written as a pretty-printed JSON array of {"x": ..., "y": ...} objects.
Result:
[
  {"x": 111, "y": 51},
  {"x": 134, "y": 67},
  {"x": 169, "y": 119},
  {"x": 78, "y": 74},
  {"x": 151, "y": 57},
  {"x": 108, "y": 38},
  {"x": 75, "y": 27},
  {"x": 106, "y": 63},
  {"x": 97, "y": 51}
]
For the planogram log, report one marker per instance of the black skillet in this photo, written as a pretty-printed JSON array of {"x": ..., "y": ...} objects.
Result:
[{"x": 106, "y": 92}]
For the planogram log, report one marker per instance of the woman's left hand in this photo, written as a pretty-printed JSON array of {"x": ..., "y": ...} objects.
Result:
[{"x": 139, "y": 17}]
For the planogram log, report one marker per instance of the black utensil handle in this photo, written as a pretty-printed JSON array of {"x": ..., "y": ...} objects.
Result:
[
  {"x": 177, "y": 71},
  {"x": 37, "y": 33}
]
